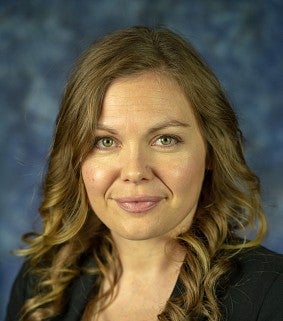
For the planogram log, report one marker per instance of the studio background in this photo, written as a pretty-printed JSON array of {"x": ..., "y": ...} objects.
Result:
[{"x": 241, "y": 40}]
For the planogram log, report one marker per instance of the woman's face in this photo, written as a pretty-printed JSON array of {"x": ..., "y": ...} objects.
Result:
[{"x": 144, "y": 175}]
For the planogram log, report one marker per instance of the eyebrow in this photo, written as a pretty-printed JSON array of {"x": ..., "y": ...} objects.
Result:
[
  {"x": 166, "y": 124},
  {"x": 156, "y": 128}
]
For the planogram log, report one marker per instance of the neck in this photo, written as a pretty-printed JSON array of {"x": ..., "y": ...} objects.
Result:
[{"x": 149, "y": 257}]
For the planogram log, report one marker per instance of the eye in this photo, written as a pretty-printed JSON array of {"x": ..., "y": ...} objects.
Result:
[
  {"x": 104, "y": 142},
  {"x": 167, "y": 140}
]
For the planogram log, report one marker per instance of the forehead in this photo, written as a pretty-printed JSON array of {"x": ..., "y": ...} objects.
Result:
[{"x": 147, "y": 96}]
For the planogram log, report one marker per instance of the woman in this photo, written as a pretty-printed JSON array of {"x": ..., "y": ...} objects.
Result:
[{"x": 148, "y": 199}]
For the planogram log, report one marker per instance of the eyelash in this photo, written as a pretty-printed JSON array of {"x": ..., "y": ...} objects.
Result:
[{"x": 177, "y": 140}]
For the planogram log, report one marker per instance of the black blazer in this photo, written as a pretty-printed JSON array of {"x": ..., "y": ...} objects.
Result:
[{"x": 254, "y": 291}]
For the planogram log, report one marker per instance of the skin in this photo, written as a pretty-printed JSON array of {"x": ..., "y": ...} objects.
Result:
[
  {"x": 140, "y": 157},
  {"x": 143, "y": 180}
]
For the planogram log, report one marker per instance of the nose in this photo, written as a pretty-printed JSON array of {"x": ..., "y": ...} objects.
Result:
[{"x": 136, "y": 166}]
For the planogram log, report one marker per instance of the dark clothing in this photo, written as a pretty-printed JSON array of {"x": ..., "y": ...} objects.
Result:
[{"x": 254, "y": 292}]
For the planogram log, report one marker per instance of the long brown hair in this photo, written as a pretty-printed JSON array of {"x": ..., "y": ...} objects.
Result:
[{"x": 229, "y": 204}]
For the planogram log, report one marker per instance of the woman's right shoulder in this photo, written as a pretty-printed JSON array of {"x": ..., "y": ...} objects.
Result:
[
  {"x": 26, "y": 285},
  {"x": 22, "y": 289}
]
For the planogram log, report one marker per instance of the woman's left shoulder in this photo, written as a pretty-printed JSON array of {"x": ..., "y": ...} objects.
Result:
[
  {"x": 261, "y": 260},
  {"x": 256, "y": 286}
]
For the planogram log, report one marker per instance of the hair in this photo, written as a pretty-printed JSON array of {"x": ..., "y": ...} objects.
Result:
[{"x": 229, "y": 205}]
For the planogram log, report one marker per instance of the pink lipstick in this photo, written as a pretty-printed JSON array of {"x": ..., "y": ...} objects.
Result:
[{"x": 138, "y": 204}]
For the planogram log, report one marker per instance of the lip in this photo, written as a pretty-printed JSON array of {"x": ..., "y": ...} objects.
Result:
[{"x": 138, "y": 204}]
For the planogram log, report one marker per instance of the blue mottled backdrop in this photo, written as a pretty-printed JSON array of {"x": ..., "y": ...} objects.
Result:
[{"x": 242, "y": 40}]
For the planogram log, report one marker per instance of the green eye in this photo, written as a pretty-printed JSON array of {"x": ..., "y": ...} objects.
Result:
[
  {"x": 107, "y": 142},
  {"x": 166, "y": 140},
  {"x": 104, "y": 142}
]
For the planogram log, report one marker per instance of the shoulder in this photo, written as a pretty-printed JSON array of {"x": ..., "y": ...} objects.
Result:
[
  {"x": 255, "y": 290},
  {"x": 22, "y": 289},
  {"x": 260, "y": 260},
  {"x": 26, "y": 285}
]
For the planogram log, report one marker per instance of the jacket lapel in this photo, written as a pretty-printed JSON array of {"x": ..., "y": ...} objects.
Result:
[{"x": 79, "y": 297}]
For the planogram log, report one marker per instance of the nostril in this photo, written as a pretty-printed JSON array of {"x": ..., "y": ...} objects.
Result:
[
  {"x": 135, "y": 177},
  {"x": 136, "y": 173}
]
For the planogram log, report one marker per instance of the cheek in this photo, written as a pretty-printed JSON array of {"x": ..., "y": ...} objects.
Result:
[
  {"x": 186, "y": 175},
  {"x": 96, "y": 178}
]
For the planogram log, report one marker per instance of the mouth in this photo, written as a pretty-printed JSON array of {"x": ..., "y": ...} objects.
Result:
[{"x": 138, "y": 204}]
